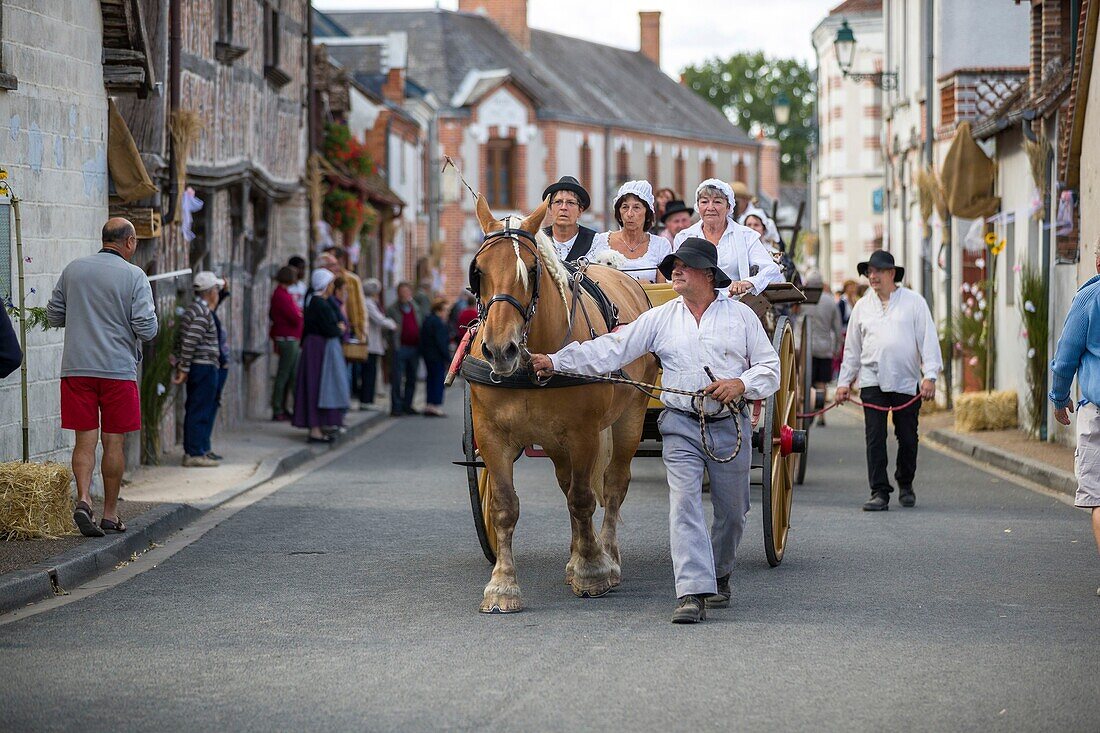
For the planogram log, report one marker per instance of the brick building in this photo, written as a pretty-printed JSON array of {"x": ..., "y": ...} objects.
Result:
[{"x": 519, "y": 107}]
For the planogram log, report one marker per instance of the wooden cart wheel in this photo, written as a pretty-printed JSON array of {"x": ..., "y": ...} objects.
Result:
[
  {"x": 481, "y": 488},
  {"x": 778, "y": 476},
  {"x": 806, "y": 396}
]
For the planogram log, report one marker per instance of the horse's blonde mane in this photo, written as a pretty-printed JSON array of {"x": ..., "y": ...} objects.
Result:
[{"x": 550, "y": 261}]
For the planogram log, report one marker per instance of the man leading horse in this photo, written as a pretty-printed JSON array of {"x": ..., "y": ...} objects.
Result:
[{"x": 703, "y": 327}]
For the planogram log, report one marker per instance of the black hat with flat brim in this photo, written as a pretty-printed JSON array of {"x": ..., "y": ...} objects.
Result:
[
  {"x": 880, "y": 259},
  {"x": 698, "y": 253},
  {"x": 569, "y": 183},
  {"x": 675, "y": 206}
]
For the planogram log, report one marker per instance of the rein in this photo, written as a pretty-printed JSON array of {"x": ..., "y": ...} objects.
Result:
[{"x": 857, "y": 403}]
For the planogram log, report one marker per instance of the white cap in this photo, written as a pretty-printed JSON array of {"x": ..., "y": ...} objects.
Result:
[
  {"x": 320, "y": 279},
  {"x": 770, "y": 230},
  {"x": 205, "y": 280},
  {"x": 641, "y": 189},
  {"x": 720, "y": 185}
]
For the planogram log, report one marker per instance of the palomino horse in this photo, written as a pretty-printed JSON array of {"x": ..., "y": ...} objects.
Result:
[{"x": 516, "y": 270}]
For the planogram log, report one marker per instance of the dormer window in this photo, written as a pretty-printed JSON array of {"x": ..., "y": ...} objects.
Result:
[{"x": 225, "y": 50}]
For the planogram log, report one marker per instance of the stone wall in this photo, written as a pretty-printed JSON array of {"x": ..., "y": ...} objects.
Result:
[{"x": 53, "y": 138}]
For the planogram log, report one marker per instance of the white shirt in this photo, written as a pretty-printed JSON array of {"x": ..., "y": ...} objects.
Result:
[
  {"x": 562, "y": 248},
  {"x": 738, "y": 249},
  {"x": 643, "y": 267},
  {"x": 299, "y": 290},
  {"x": 729, "y": 339},
  {"x": 891, "y": 347}
]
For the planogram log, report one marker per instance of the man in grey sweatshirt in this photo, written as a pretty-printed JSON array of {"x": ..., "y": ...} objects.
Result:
[{"x": 105, "y": 305}]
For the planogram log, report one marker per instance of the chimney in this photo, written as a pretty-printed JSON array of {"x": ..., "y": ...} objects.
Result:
[
  {"x": 650, "y": 21},
  {"x": 395, "y": 58},
  {"x": 509, "y": 15}
]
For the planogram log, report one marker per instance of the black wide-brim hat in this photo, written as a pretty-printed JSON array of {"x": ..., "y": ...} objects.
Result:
[
  {"x": 880, "y": 259},
  {"x": 569, "y": 183},
  {"x": 698, "y": 253},
  {"x": 675, "y": 206}
]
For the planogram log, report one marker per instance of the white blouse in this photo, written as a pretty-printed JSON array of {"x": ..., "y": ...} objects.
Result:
[{"x": 643, "y": 267}]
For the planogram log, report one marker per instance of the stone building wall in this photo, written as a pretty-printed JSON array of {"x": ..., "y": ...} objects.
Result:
[{"x": 53, "y": 143}]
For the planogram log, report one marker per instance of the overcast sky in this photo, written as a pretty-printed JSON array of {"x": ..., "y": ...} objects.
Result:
[{"x": 691, "y": 30}]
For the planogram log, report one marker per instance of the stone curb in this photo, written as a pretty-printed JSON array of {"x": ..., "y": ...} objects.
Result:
[
  {"x": 100, "y": 554},
  {"x": 1055, "y": 479}
]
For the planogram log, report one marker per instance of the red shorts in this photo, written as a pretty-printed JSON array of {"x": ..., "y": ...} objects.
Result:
[{"x": 85, "y": 399}]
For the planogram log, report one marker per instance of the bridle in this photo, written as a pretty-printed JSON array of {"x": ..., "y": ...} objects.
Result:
[{"x": 519, "y": 238}]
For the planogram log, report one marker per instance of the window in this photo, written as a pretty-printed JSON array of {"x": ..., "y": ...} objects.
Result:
[
  {"x": 225, "y": 50},
  {"x": 586, "y": 164},
  {"x": 7, "y": 81},
  {"x": 272, "y": 51},
  {"x": 708, "y": 168},
  {"x": 499, "y": 168},
  {"x": 622, "y": 165},
  {"x": 681, "y": 173},
  {"x": 651, "y": 167},
  {"x": 740, "y": 173}
]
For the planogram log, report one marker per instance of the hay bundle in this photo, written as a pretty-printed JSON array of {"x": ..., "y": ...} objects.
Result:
[
  {"x": 35, "y": 501},
  {"x": 1037, "y": 160},
  {"x": 185, "y": 126},
  {"x": 985, "y": 411}
]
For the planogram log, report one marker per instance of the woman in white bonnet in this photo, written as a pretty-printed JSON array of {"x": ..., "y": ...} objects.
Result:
[
  {"x": 754, "y": 218},
  {"x": 741, "y": 254},
  {"x": 632, "y": 248}
]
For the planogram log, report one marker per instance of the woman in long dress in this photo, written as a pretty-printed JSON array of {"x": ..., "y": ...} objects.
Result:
[
  {"x": 633, "y": 248},
  {"x": 322, "y": 391}
]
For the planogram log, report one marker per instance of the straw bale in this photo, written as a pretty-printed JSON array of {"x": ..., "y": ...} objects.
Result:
[
  {"x": 976, "y": 411},
  {"x": 35, "y": 501}
]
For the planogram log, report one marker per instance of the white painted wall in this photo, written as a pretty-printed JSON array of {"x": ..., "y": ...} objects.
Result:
[
  {"x": 848, "y": 176},
  {"x": 53, "y": 137}
]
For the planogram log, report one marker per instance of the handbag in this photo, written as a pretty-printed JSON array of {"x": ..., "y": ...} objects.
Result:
[{"x": 355, "y": 351}]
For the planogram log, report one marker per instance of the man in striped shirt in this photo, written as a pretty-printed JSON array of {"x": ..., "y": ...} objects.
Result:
[{"x": 197, "y": 363}]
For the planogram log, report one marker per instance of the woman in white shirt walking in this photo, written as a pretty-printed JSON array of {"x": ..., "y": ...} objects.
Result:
[
  {"x": 633, "y": 248},
  {"x": 741, "y": 254},
  {"x": 893, "y": 349}
]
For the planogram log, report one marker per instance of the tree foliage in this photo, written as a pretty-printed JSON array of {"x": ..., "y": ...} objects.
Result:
[{"x": 745, "y": 87}]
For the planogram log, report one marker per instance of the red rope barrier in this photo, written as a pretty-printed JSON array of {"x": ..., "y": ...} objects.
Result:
[{"x": 856, "y": 402}]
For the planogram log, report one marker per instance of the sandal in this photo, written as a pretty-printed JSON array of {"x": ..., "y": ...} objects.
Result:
[
  {"x": 85, "y": 520},
  {"x": 112, "y": 526}
]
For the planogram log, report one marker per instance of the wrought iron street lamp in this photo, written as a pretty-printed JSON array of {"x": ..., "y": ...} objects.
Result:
[{"x": 844, "y": 46}]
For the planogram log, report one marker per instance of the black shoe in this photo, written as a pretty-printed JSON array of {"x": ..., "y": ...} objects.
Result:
[
  {"x": 412, "y": 411},
  {"x": 721, "y": 599},
  {"x": 878, "y": 503},
  {"x": 214, "y": 456},
  {"x": 690, "y": 610},
  {"x": 323, "y": 439},
  {"x": 906, "y": 497},
  {"x": 396, "y": 413}
]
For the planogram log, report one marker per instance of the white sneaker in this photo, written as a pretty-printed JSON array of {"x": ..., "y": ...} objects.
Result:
[{"x": 200, "y": 462}]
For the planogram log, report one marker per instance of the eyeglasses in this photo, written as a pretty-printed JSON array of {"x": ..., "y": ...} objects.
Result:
[{"x": 563, "y": 204}]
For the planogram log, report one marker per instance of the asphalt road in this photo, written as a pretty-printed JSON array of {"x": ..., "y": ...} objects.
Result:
[{"x": 348, "y": 601}]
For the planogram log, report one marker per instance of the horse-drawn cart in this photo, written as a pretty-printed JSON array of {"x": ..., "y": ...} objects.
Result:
[{"x": 780, "y": 438}]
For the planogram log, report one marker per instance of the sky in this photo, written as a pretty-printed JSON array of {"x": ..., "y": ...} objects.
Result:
[{"x": 692, "y": 31}]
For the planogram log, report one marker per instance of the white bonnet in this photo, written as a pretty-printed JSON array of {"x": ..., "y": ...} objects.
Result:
[
  {"x": 770, "y": 230},
  {"x": 641, "y": 189},
  {"x": 720, "y": 185},
  {"x": 319, "y": 280}
]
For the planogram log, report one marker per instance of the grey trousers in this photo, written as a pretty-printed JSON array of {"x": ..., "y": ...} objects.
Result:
[{"x": 699, "y": 556}]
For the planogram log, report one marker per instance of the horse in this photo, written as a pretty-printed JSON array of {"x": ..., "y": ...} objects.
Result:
[{"x": 524, "y": 296}]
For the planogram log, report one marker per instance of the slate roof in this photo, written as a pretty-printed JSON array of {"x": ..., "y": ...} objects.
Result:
[
  {"x": 857, "y": 6},
  {"x": 570, "y": 79}
]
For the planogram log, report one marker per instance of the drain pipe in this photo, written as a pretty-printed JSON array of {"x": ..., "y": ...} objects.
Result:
[{"x": 175, "y": 40}]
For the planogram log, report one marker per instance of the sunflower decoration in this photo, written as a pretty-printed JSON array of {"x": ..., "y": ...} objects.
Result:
[{"x": 996, "y": 246}]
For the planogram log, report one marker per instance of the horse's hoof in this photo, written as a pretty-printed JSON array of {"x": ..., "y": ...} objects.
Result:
[
  {"x": 569, "y": 576},
  {"x": 495, "y": 608},
  {"x": 593, "y": 591},
  {"x": 616, "y": 580},
  {"x": 500, "y": 598}
]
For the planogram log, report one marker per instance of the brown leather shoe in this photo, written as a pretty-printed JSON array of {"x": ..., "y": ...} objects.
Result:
[{"x": 690, "y": 610}]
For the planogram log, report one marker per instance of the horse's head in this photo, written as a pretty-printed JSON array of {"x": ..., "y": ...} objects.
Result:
[{"x": 505, "y": 273}]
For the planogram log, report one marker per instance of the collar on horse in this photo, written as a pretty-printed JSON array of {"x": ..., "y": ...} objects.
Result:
[{"x": 519, "y": 237}]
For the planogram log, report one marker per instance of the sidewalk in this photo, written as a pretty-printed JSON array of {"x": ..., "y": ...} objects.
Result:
[
  {"x": 1043, "y": 463},
  {"x": 158, "y": 500}
]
